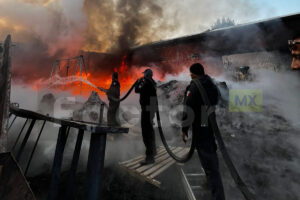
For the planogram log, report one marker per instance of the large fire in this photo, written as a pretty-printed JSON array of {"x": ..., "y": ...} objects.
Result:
[
  {"x": 83, "y": 83},
  {"x": 82, "y": 88},
  {"x": 45, "y": 30},
  {"x": 31, "y": 65},
  {"x": 101, "y": 66}
]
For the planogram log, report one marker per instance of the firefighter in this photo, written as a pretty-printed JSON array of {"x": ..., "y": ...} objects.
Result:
[
  {"x": 113, "y": 95},
  {"x": 205, "y": 140},
  {"x": 146, "y": 87}
]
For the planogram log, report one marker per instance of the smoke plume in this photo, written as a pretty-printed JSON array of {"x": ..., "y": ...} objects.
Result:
[
  {"x": 119, "y": 25},
  {"x": 49, "y": 29}
]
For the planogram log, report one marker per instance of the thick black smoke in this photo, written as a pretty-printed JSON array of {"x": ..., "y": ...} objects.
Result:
[{"x": 117, "y": 26}]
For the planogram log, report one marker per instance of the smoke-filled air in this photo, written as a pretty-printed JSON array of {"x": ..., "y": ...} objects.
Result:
[
  {"x": 54, "y": 29},
  {"x": 69, "y": 56}
]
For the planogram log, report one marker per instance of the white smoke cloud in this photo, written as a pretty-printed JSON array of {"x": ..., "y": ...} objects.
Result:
[{"x": 279, "y": 90}]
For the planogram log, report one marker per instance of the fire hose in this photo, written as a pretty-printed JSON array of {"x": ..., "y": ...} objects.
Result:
[
  {"x": 124, "y": 97},
  {"x": 182, "y": 159},
  {"x": 212, "y": 121}
]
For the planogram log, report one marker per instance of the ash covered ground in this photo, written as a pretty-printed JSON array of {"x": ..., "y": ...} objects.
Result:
[{"x": 263, "y": 145}]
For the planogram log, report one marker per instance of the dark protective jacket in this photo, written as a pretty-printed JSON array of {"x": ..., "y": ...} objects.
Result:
[
  {"x": 146, "y": 87},
  {"x": 114, "y": 91},
  {"x": 194, "y": 105}
]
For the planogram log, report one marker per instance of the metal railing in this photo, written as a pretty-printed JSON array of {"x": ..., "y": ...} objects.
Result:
[{"x": 96, "y": 150}]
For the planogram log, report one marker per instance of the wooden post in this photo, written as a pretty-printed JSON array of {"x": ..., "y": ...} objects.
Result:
[
  {"x": 5, "y": 68},
  {"x": 95, "y": 165}
]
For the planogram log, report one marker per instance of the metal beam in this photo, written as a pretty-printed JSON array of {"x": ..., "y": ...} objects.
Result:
[
  {"x": 20, "y": 133},
  {"x": 11, "y": 123},
  {"x": 24, "y": 142},
  {"x": 35, "y": 145},
  {"x": 57, "y": 163},
  {"x": 87, "y": 126}
]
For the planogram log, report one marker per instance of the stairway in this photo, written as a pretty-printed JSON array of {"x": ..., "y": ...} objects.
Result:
[{"x": 194, "y": 180}]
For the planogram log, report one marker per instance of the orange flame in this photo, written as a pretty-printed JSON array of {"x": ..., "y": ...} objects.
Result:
[{"x": 127, "y": 76}]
